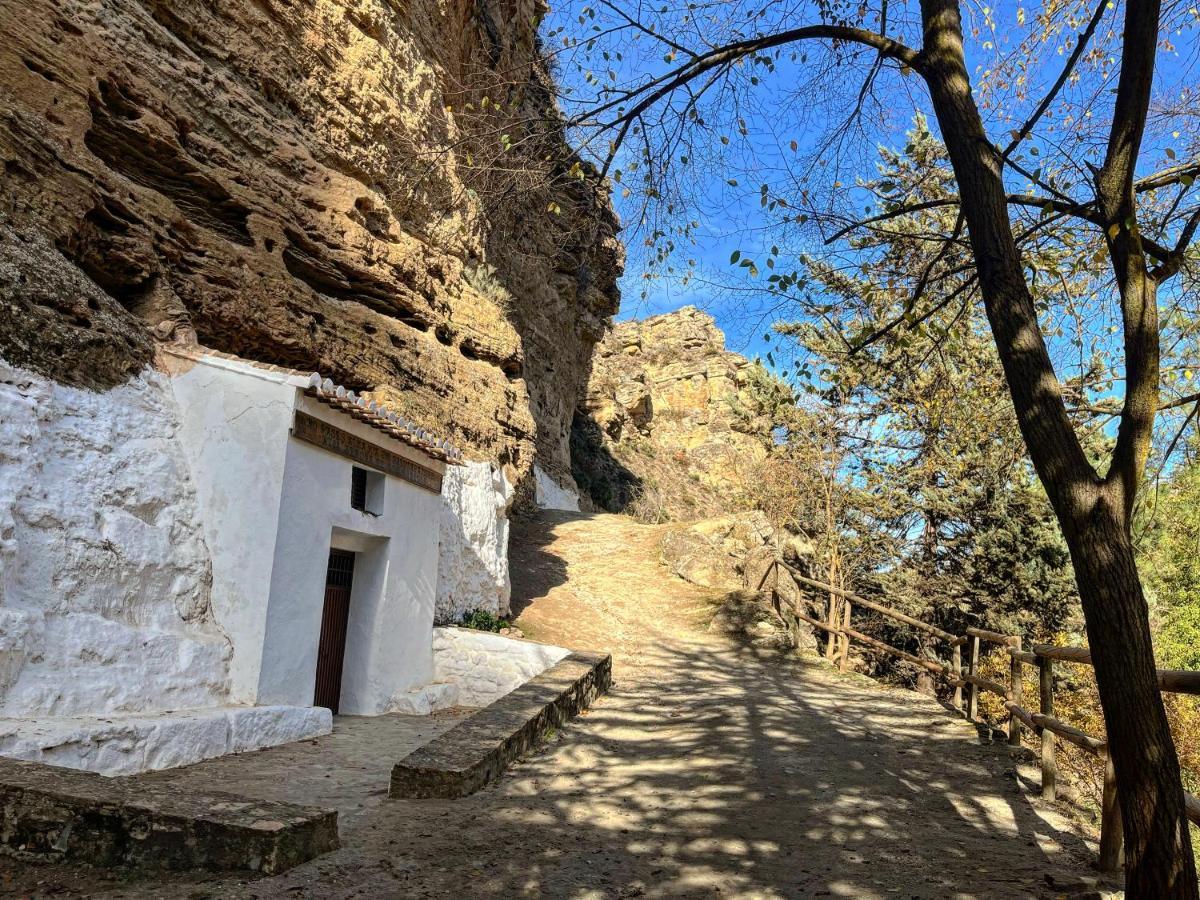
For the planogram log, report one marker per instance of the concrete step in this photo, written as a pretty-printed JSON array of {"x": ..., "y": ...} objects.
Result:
[{"x": 478, "y": 750}]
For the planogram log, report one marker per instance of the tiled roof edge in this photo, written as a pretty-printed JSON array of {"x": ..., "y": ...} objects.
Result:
[{"x": 344, "y": 400}]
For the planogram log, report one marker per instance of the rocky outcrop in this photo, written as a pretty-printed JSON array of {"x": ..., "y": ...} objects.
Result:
[
  {"x": 673, "y": 424},
  {"x": 312, "y": 184},
  {"x": 714, "y": 552}
]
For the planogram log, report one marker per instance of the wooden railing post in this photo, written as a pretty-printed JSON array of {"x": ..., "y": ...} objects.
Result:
[
  {"x": 972, "y": 688},
  {"x": 831, "y": 617},
  {"x": 1049, "y": 761},
  {"x": 1017, "y": 692},
  {"x": 956, "y": 669},
  {"x": 1111, "y": 829},
  {"x": 846, "y": 609}
]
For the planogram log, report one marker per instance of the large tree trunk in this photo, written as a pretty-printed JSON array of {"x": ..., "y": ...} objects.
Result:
[
  {"x": 1093, "y": 512},
  {"x": 1158, "y": 852}
]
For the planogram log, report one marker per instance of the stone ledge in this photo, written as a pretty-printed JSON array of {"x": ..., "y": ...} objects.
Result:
[
  {"x": 55, "y": 814},
  {"x": 129, "y": 743},
  {"x": 479, "y": 749}
]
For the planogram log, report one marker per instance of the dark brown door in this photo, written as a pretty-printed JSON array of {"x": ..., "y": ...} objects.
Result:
[{"x": 331, "y": 650}]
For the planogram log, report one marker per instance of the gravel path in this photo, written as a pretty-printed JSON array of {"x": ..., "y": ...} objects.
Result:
[{"x": 710, "y": 770}]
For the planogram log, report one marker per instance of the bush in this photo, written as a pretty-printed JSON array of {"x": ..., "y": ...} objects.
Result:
[{"x": 482, "y": 620}]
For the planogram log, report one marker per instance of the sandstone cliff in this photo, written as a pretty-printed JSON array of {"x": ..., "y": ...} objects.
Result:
[
  {"x": 311, "y": 183},
  {"x": 673, "y": 424}
]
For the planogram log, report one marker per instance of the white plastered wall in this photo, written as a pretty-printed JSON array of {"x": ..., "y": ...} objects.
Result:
[
  {"x": 104, "y": 575},
  {"x": 388, "y": 643},
  {"x": 549, "y": 494},
  {"x": 473, "y": 548},
  {"x": 235, "y": 434},
  {"x": 273, "y": 506}
]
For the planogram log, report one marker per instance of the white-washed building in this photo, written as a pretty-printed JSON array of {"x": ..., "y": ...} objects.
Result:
[{"x": 219, "y": 554}]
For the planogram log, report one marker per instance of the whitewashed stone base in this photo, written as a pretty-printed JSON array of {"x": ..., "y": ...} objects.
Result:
[
  {"x": 485, "y": 666},
  {"x": 473, "y": 542},
  {"x": 549, "y": 494},
  {"x": 128, "y": 744},
  {"x": 426, "y": 700}
]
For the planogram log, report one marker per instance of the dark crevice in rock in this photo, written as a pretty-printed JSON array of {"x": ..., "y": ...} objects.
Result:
[
  {"x": 135, "y": 150},
  {"x": 599, "y": 474},
  {"x": 306, "y": 262}
]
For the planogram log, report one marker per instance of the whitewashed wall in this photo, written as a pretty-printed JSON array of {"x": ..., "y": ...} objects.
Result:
[
  {"x": 549, "y": 494},
  {"x": 473, "y": 545},
  {"x": 395, "y": 579},
  {"x": 272, "y": 507},
  {"x": 485, "y": 666},
  {"x": 104, "y": 573}
]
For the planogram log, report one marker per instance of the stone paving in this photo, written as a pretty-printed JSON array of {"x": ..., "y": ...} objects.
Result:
[{"x": 347, "y": 770}]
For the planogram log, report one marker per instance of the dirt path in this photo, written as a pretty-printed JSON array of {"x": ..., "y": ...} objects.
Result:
[{"x": 709, "y": 771}]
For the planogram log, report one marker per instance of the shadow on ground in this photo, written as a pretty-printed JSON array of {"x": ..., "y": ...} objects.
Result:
[{"x": 711, "y": 770}]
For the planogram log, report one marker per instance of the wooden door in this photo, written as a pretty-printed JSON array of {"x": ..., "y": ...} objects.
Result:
[{"x": 331, "y": 650}]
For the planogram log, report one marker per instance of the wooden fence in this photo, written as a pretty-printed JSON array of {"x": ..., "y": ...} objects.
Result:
[{"x": 839, "y": 626}]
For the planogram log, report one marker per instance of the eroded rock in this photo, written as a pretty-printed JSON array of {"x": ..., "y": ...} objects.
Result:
[
  {"x": 673, "y": 425},
  {"x": 307, "y": 185}
]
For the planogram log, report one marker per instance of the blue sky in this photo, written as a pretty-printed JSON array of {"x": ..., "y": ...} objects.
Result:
[{"x": 731, "y": 213}]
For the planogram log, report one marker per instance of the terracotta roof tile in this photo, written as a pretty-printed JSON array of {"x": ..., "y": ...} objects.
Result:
[{"x": 346, "y": 401}]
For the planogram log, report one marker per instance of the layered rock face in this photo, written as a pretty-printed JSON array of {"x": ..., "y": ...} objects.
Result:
[
  {"x": 673, "y": 424},
  {"x": 321, "y": 184}
]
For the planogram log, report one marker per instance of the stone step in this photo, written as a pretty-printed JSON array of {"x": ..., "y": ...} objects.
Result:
[
  {"x": 54, "y": 814},
  {"x": 479, "y": 749}
]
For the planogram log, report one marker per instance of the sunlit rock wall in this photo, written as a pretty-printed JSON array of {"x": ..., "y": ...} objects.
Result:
[
  {"x": 304, "y": 183},
  {"x": 673, "y": 425}
]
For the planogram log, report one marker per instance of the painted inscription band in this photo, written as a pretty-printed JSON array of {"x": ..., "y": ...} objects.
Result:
[{"x": 343, "y": 443}]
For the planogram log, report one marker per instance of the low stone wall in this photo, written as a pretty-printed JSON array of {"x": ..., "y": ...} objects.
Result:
[
  {"x": 479, "y": 749},
  {"x": 53, "y": 814},
  {"x": 485, "y": 666}
]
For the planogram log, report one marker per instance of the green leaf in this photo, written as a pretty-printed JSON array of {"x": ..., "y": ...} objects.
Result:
[{"x": 735, "y": 256}]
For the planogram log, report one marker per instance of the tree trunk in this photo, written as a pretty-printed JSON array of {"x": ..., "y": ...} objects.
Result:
[
  {"x": 1093, "y": 514},
  {"x": 1158, "y": 852}
]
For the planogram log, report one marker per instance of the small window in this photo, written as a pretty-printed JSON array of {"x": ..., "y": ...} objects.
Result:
[
  {"x": 358, "y": 489},
  {"x": 366, "y": 491}
]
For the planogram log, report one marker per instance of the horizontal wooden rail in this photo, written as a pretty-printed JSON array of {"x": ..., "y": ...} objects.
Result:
[
  {"x": 1030, "y": 659},
  {"x": 815, "y": 622},
  {"x": 995, "y": 637},
  {"x": 1192, "y": 805},
  {"x": 1179, "y": 681},
  {"x": 877, "y": 607},
  {"x": 1066, "y": 654},
  {"x": 986, "y": 684},
  {"x": 1070, "y": 733},
  {"x": 1022, "y": 713},
  {"x": 1174, "y": 681},
  {"x": 888, "y": 648}
]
